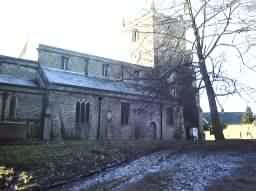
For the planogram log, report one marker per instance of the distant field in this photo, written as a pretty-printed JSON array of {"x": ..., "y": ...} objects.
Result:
[{"x": 236, "y": 132}]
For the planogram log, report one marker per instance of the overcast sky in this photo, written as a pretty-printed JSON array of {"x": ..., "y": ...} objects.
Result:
[{"x": 93, "y": 27}]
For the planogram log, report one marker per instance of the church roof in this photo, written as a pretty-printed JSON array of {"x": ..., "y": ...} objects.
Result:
[
  {"x": 12, "y": 80},
  {"x": 67, "y": 78}
]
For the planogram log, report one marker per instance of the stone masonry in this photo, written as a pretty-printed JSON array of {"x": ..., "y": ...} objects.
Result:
[{"x": 71, "y": 95}]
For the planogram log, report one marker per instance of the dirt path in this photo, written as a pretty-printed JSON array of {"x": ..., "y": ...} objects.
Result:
[{"x": 208, "y": 168}]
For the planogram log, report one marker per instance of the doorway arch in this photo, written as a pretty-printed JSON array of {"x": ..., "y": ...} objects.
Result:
[{"x": 153, "y": 129}]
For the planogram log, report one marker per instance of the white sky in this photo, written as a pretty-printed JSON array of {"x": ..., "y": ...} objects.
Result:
[{"x": 93, "y": 27}]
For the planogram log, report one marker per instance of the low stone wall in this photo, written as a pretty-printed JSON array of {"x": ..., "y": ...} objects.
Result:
[
  {"x": 13, "y": 131},
  {"x": 19, "y": 130}
]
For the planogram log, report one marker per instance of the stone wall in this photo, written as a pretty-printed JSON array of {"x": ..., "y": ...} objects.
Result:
[
  {"x": 144, "y": 118},
  {"x": 170, "y": 131},
  {"x": 168, "y": 40},
  {"x": 140, "y": 116},
  {"x": 117, "y": 70},
  {"x": 142, "y": 48},
  {"x": 62, "y": 107},
  {"x": 27, "y": 115},
  {"x": 158, "y": 39},
  {"x": 56, "y": 106},
  {"x": 28, "y": 106},
  {"x": 22, "y": 69}
]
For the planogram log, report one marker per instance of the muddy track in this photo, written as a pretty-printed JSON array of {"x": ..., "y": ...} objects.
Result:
[
  {"x": 196, "y": 167},
  {"x": 109, "y": 168}
]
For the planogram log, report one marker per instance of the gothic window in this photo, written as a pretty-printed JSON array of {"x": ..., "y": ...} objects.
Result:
[
  {"x": 13, "y": 106},
  {"x": 87, "y": 112},
  {"x": 86, "y": 67},
  {"x": 78, "y": 107},
  {"x": 125, "y": 112},
  {"x": 82, "y": 112},
  {"x": 105, "y": 68},
  {"x": 169, "y": 116},
  {"x": 135, "y": 35},
  {"x": 64, "y": 63}
]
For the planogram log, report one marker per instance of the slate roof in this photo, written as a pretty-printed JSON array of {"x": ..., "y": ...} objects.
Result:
[
  {"x": 226, "y": 117},
  {"x": 12, "y": 80},
  {"x": 68, "y": 78}
]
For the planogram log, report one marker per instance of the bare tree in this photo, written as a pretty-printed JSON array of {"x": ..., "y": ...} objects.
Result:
[
  {"x": 214, "y": 23},
  {"x": 216, "y": 26}
]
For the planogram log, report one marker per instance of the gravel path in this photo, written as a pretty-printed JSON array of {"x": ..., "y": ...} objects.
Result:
[{"x": 193, "y": 170}]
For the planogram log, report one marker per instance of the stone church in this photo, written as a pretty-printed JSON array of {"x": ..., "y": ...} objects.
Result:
[{"x": 67, "y": 94}]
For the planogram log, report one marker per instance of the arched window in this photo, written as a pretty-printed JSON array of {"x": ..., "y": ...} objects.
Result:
[
  {"x": 13, "y": 107},
  {"x": 87, "y": 116},
  {"x": 78, "y": 107},
  {"x": 82, "y": 112},
  {"x": 153, "y": 127}
]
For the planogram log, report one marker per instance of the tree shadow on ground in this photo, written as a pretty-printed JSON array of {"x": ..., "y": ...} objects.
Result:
[{"x": 242, "y": 179}]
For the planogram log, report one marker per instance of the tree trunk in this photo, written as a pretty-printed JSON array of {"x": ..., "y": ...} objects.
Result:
[{"x": 216, "y": 125}]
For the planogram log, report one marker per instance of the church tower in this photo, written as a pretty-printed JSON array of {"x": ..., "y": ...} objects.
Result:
[
  {"x": 158, "y": 39},
  {"x": 155, "y": 38}
]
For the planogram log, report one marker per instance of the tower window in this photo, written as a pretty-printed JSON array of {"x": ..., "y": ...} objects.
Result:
[
  {"x": 169, "y": 116},
  {"x": 125, "y": 112},
  {"x": 105, "y": 68},
  {"x": 135, "y": 35},
  {"x": 64, "y": 62}
]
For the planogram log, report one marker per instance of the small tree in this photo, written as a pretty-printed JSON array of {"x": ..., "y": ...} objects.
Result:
[{"x": 247, "y": 117}]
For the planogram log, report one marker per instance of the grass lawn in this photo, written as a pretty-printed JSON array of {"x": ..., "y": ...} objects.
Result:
[
  {"x": 247, "y": 131},
  {"x": 49, "y": 164}
]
